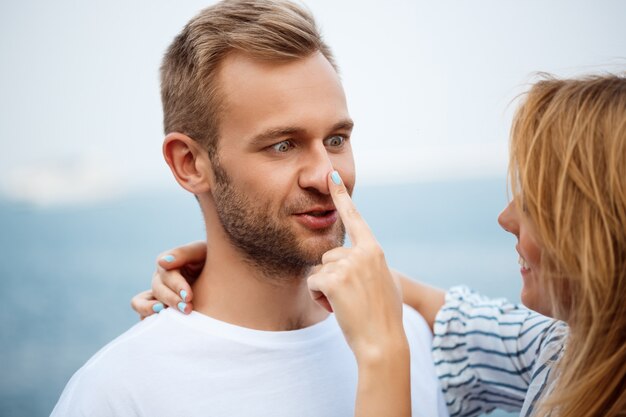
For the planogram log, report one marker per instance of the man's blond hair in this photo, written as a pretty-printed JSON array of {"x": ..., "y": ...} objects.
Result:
[{"x": 274, "y": 30}]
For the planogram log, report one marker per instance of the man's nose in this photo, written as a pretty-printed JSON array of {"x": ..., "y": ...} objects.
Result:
[
  {"x": 315, "y": 169},
  {"x": 508, "y": 219}
]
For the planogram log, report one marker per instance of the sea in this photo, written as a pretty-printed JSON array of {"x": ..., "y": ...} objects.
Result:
[{"x": 69, "y": 272}]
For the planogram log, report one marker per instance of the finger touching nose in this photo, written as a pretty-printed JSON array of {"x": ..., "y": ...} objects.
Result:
[{"x": 315, "y": 170}]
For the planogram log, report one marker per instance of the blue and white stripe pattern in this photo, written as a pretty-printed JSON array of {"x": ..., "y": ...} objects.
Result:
[{"x": 493, "y": 354}]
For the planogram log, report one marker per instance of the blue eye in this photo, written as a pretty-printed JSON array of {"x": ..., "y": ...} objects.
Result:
[
  {"x": 283, "y": 146},
  {"x": 335, "y": 141}
]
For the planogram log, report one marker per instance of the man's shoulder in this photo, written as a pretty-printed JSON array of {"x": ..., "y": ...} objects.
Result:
[
  {"x": 131, "y": 347},
  {"x": 138, "y": 353},
  {"x": 129, "y": 344},
  {"x": 109, "y": 374}
]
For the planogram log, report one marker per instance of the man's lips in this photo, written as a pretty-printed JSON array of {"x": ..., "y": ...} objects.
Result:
[
  {"x": 317, "y": 218},
  {"x": 316, "y": 210}
]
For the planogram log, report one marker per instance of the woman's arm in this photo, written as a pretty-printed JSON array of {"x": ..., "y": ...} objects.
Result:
[
  {"x": 427, "y": 300},
  {"x": 384, "y": 387},
  {"x": 488, "y": 352},
  {"x": 358, "y": 286}
]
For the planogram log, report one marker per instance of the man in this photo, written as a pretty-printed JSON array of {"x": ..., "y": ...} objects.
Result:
[{"x": 255, "y": 118}]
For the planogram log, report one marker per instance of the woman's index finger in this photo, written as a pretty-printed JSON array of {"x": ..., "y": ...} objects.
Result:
[
  {"x": 357, "y": 229},
  {"x": 190, "y": 253}
]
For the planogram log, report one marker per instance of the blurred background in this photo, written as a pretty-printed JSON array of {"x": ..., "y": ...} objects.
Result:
[{"x": 86, "y": 201}]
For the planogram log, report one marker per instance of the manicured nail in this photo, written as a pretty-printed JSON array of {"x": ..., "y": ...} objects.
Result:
[
  {"x": 336, "y": 177},
  {"x": 157, "y": 307},
  {"x": 168, "y": 258},
  {"x": 183, "y": 295},
  {"x": 181, "y": 306}
]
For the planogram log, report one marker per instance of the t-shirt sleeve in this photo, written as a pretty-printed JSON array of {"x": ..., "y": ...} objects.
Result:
[
  {"x": 107, "y": 384},
  {"x": 88, "y": 394},
  {"x": 485, "y": 351}
]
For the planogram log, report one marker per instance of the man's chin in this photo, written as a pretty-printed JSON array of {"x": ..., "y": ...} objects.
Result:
[{"x": 313, "y": 248}]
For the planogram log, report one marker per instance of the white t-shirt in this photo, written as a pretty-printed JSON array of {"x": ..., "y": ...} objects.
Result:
[{"x": 173, "y": 365}]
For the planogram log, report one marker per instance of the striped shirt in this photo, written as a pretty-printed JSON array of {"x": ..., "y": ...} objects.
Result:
[{"x": 493, "y": 354}]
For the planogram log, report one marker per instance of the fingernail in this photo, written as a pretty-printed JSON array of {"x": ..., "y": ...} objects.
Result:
[
  {"x": 168, "y": 258},
  {"x": 336, "y": 177},
  {"x": 181, "y": 306},
  {"x": 157, "y": 307},
  {"x": 183, "y": 295}
]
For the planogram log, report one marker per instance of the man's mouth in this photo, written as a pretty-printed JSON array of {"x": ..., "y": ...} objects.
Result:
[
  {"x": 319, "y": 213},
  {"x": 317, "y": 218}
]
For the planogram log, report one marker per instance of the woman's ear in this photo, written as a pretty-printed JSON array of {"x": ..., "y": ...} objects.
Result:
[{"x": 188, "y": 161}]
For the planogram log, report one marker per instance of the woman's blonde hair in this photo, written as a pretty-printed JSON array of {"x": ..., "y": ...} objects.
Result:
[{"x": 568, "y": 174}]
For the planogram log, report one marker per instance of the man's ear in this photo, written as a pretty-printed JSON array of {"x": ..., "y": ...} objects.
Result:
[{"x": 188, "y": 161}]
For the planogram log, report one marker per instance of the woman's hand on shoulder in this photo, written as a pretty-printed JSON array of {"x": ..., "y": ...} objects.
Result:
[{"x": 176, "y": 271}]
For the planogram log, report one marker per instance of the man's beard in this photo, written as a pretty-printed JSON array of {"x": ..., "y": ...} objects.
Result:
[{"x": 268, "y": 243}]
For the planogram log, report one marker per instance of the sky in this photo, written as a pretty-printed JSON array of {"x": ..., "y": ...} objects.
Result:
[{"x": 431, "y": 85}]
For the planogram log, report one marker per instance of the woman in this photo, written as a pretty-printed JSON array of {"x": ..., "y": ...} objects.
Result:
[{"x": 567, "y": 172}]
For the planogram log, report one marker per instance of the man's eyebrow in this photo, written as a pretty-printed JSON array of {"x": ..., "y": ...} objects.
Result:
[
  {"x": 346, "y": 124},
  {"x": 274, "y": 133}
]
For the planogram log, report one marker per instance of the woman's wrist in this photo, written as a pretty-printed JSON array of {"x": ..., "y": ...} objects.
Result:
[
  {"x": 389, "y": 352},
  {"x": 384, "y": 386}
]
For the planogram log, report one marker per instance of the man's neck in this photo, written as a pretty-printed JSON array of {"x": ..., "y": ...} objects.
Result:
[{"x": 234, "y": 290}]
